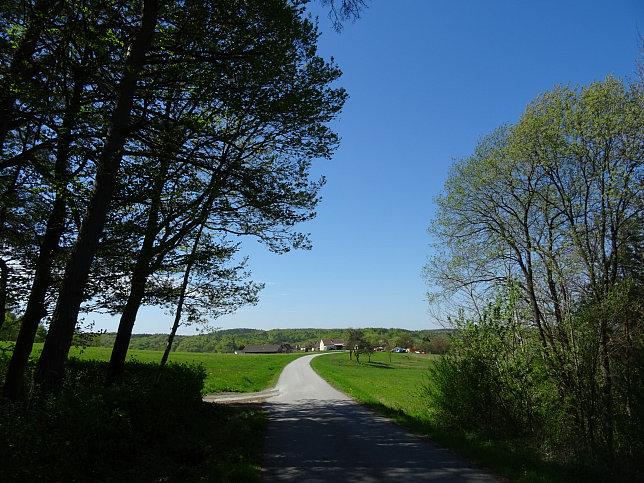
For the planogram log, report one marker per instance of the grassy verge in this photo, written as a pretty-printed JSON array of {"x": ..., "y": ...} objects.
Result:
[{"x": 397, "y": 389}]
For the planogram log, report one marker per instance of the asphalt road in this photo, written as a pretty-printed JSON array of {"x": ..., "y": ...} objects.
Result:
[{"x": 317, "y": 433}]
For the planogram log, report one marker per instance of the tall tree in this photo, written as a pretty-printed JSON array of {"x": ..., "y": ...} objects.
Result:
[
  {"x": 551, "y": 204},
  {"x": 50, "y": 366},
  {"x": 243, "y": 148},
  {"x": 267, "y": 76},
  {"x": 48, "y": 149}
]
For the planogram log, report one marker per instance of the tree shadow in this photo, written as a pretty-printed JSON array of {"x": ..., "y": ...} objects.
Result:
[
  {"x": 329, "y": 440},
  {"x": 380, "y": 365}
]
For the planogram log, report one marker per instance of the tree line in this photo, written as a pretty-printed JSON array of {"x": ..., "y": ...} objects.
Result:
[
  {"x": 229, "y": 340},
  {"x": 138, "y": 142},
  {"x": 540, "y": 262}
]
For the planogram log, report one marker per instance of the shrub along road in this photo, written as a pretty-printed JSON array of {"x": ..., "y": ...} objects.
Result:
[{"x": 317, "y": 433}]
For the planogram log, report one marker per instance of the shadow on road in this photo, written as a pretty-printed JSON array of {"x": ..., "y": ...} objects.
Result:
[{"x": 339, "y": 440}]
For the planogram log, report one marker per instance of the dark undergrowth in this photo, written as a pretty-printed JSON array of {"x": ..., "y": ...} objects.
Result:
[{"x": 131, "y": 431}]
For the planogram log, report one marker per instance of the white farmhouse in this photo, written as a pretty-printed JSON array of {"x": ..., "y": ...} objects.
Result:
[{"x": 331, "y": 344}]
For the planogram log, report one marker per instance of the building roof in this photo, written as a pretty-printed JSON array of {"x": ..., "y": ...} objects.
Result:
[
  {"x": 333, "y": 341},
  {"x": 264, "y": 349}
]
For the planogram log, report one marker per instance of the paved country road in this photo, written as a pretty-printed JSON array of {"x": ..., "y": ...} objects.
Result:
[{"x": 317, "y": 433}]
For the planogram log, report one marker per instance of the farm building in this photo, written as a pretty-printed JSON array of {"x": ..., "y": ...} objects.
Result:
[
  {"x": 266, "y": 349},
  {"x": 331, "y": 344}
]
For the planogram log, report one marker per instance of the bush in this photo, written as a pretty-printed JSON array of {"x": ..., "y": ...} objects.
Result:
[
  {"x": 499, "y": 382},
  {"x": 89, "y": 432},
  {"x": 492, "y": 381}
]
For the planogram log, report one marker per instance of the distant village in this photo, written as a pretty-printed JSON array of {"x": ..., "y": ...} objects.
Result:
[
  {"x": 322, "y": 345},
  {"x": 274, "y": 341}
]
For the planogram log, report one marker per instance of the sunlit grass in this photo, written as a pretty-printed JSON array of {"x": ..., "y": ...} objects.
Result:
[
  {"x": 224, "y": 372},
  {"x": 396, "y": 383}
]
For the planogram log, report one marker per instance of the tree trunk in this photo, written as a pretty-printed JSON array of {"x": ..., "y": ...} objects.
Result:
[
  {"x": 50, "y": 369},
  {"x": 35, "y": 310},
  {"x": 126, "y": 322},
  {"x": 142, "y": 271},
  {"x": 4, "y": 276},
  {"x": 4, "y": 268},
  {"x": 607, "y": 413}
]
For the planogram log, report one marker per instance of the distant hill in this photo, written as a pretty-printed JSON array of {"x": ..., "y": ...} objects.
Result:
[{"x": 229, "y": 340}]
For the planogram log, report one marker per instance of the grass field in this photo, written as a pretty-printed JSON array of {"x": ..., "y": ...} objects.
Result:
[
  {"x": 397, "y": 385},
  {"x": 224, "y": 372}
]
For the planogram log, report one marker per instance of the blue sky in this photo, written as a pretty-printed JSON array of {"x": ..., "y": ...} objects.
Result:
[{"x": 427, "y": 79}]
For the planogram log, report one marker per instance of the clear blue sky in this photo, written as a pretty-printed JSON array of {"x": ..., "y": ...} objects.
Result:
[{"x": 427, "y": 79}]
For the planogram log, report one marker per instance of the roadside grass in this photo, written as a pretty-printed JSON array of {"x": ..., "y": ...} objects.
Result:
[
  {"x": 397, "y": 385},
  {"x": 134, "y": 430},
  {"x": 397, "y": 390}
]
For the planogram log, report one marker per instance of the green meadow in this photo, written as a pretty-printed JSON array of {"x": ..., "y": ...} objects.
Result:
[
  {"x": 397, "y": 383},
  {"x": 224, "y": 372}
]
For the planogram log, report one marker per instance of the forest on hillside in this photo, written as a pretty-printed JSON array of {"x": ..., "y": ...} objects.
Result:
[{"x": 229, "y": 340}]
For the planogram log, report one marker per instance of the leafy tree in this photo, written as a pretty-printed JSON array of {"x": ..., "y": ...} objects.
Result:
[
  {"x": 405, "y": 340},
  {"x": 353, "y": 339},
  {"x": 224, "y": 297},
  {"x": 193, "y": 51},
  {"x": 387, "y": 346},
  {"x": 369, "y": 347},
  {"x": 553, "y": 206},
  {"x": 54, "y": 118},
  {"x": 82, "y": 91},
  {"x": 251, "y": 145},
  {"x": 49, "y": 371}
]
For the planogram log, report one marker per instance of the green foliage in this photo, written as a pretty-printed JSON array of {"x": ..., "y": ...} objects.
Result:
[
  {"x": 493, "y": 379},
  {"x": 552, "y": 208},
  {"x": 228, "y": 340},
  {"x": 11, "y": 327},
  {"x": 436, "y": 344},
  {"x": 496, "y": 382},
  {"x": 405, "y": 340}
]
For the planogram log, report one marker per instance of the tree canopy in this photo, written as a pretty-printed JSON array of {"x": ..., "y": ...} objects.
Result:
[
  {"x": 131, "y": 127},
  {"x": 547, "y": 214}
]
